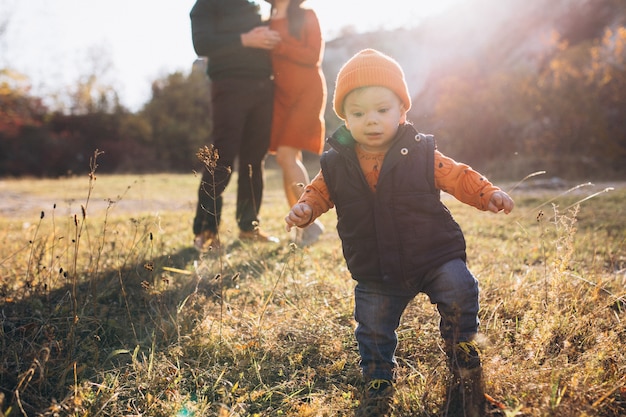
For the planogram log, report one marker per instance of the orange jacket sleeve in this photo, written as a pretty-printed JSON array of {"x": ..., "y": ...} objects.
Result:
[
  {"x": 461, "y": 181},
  {"x": 317, "y": 197}
]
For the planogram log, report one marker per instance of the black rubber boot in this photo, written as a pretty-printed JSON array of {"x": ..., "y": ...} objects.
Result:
[
  {"x": 466, "y": 391},
  {"x": 377, "y": 399}
]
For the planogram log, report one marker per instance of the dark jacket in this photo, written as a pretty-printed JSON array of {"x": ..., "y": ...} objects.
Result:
[
  {"x": 402, "y": 230},
  {"x": 216, "y": 28}
]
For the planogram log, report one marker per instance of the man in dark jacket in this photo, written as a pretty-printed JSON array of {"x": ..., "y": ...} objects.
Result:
[{"x": 237, "y": 43}]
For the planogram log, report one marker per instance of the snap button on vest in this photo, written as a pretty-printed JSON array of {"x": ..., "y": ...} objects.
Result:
[
  {"x": 404, "y": 151},
  {"x": 418, "y": 138}
]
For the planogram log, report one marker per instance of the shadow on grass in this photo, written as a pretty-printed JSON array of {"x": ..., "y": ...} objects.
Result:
[{"x": 52, "y": 339}]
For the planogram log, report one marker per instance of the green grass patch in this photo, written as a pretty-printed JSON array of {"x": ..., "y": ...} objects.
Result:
[{"x": 106, "y": 308}]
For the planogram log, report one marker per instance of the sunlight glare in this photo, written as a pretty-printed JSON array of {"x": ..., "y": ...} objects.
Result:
[{"x": 371, "y": 15}]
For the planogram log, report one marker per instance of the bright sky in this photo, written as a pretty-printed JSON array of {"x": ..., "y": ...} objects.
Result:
[{"x": 134, "y": 42}]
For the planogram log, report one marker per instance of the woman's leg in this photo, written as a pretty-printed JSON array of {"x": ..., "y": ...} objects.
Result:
[
  {"x": 295, "y": 175},
  {"x": 295, "y": 178}
]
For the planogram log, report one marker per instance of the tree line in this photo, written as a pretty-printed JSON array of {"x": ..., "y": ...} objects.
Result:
[
  {"x": 565, "y": 115},
  {"x": 163, "y": 136}
]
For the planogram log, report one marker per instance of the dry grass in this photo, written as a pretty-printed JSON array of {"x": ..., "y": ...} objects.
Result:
[{"x": 108, "y": 311}]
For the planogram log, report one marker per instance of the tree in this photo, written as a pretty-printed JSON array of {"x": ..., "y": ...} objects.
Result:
[
  {"x": 179, "y": 114},
  {"x": 20, "y": 115},
  {"x": 607, "y": 70}
]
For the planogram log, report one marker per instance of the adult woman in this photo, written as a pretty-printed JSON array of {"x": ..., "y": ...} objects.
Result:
[{"x": 299, "y": 98}]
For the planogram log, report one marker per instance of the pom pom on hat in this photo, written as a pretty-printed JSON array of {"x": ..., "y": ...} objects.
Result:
[{"x": 366, "y": 69}]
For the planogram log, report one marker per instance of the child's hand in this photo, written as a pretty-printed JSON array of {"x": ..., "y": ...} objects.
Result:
[
  {"x": 299, "y": 215},
  {"x": 500, "y": 201}
]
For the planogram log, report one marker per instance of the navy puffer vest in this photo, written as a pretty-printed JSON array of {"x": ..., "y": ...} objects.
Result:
[{"x": 402, "y": 230}]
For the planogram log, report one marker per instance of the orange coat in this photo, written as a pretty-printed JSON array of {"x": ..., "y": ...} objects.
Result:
[{"x": 300, "y": 95}]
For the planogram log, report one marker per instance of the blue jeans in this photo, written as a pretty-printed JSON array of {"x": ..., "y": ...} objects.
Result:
[{"x": 378, "y": 310}]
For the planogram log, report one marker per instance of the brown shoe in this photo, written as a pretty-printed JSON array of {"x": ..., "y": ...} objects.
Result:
[
  {"x": 206, "y": 241},
  {"x": 257, "y": 236}
]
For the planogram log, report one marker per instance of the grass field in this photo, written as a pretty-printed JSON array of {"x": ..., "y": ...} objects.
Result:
[{"x": 107, "y": 310}]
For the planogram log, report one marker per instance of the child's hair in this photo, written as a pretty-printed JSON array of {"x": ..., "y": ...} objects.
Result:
[{"x": 370, "y": 68}]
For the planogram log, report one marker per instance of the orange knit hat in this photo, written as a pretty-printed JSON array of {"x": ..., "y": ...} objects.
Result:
[{"x": 370, "y": 68}]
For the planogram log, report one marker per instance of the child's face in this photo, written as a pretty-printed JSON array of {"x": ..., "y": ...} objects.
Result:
[{"x": 372, "y": 116}]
